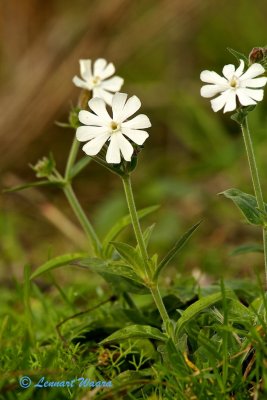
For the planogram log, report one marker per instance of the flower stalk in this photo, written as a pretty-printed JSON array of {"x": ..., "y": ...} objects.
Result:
[
  {"x": 140, "y": 240},
  {"x": 81, "y": 216},
  {"x": 256, "y": 183}
]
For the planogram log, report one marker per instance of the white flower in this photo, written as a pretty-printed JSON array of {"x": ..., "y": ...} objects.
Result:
[
  {"x": 234, "y": 83},
  {"x": 96, "y": 80},
  {"x": 100, "y": 127}
]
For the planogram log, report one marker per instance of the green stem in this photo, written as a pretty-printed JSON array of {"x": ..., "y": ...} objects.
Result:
[
  {"x": 140, "y": 240},
  {"x": 134, "y": 217},
  {"x": 256, "y": 183},
  {"x": 80, "y": 214}
]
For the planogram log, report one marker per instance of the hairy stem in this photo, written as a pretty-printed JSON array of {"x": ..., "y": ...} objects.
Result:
[
  {"x": 140, "y": 240},
  {"x": 256, "y": 183},
  {"x": 81, "y": 216}
]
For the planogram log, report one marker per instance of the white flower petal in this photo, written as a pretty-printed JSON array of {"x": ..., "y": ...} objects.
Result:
[
  {"x": 99, "y": 66},
  {"x": 99, "y": 107},
  {"x": 86, "y": 69},
  {"x": 219, "y": 102},
  {"x": 131, "y": 106},
  {"x": 113, "y": 155},
  {"x": 230, "y": 102},
  {"x": 95, "y": 145},
  {"x": 212, "y": 77},
  {"x": 84, "y": 133},
  {"x": 228, "y": 71},
  {"x": 136, "y": 135},
  {"x": 107, "y": 72},
  {"x": 113, "y": 84},
  {"x": 244, "y": 99},
  {"x": 211, "y": 90},
  {"x": 88, "y": 118},
  {"x": 118, "y": 102},
  {"x": 255, "y": 83},
  {"x": 255, "y": 94},
  {"x": 240, "y": 69},
  {"x": 125, "y": 147},
  {"x": 80, "y": 83},
  {"x": 141, "y": 121},
  {"x": 103, "y": 94},
  {"x": 253, "y": 71}
]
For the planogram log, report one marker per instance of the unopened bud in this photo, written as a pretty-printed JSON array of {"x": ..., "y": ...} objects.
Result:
[
  {"x": 257, "y": 55},
  {"x": 44, "y": 168}
]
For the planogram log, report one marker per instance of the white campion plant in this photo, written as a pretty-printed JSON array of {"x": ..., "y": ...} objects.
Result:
[{"x": 234, "y": 83}]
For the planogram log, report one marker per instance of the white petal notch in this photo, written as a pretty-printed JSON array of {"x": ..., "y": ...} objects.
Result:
[
  {"x": 235, "y": 84},
  {"x": 97, "y": 78},
  {"x": 119, "y": 132}
]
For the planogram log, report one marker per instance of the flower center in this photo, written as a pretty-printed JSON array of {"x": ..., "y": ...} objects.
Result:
[
  {"x": 114, "y": 126},
  {"x": 234, "y": 82},
  {"x": 96, "y": 80}
]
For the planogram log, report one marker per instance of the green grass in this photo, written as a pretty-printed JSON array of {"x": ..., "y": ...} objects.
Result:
[{"x": 220, "y": 351}]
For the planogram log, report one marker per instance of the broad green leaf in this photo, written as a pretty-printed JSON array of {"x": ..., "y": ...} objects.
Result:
[
  {"x": 121, "y": 224},
  {"x": 130, "y": 255},
  {"x": 110, "y": 267},
  {"x": 177, "y": 247},
  {"x": 79, "y": 166},
  {"x": 247, "y": 204},
  {"x": 199, "y": 306},
  {"x": 239, "y": 56},
  {"x": 58, "y": 262},
  {"x": 33, "y": 184},
  {"x": 247, "y": 248},
  {"x": 135, "y": 331}
]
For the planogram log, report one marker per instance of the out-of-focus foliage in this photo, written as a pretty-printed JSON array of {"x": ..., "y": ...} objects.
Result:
[{"x": 159, "y": 47}]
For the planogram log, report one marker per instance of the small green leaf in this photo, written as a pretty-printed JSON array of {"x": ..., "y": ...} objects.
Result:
[
  {"x": 135, "y": 331},
  {"x": 198, "y": 307},
  {"x": 130, "y": 255},
  {"x": 147, "y": 235},
  {"x": 58, "y": 262},
  {"x": 177, "y": 247},
  {"x": 33, "y": 184},
  {"x": 247, "y": 248},
  {"x": 121, "y": 224},
  {"x": 247, "y": 204},
  {"x": 239, "y": 56},
  {"x": 79, "y": 166}
]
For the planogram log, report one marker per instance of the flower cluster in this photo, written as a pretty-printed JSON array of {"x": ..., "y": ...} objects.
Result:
[
  {"x": 99, "y": 127},
  {"x": 234, "y": 83}
]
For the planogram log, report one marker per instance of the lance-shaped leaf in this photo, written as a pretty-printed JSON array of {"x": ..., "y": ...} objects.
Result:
[
  {"x": 58, "y": 262},
  {"x": 177, "y": 247},
  {"x": 130, "y": 255},
  {"x": 247, "y": 204},
  {"x": 239, "y": 56},
  {"x": 134, "y": 332},
  {"x": 79, "y": 166},
  {"x": 199, "y": 306},
  {"x": 117, "y": 273},
  {"x": 123, "y": 223},
  {"x": 247, "y": 248},
  {"x": 34, "y": 184}
]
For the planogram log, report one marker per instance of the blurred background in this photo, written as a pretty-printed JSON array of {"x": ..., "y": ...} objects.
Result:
[{"x": 159, "y": 47}]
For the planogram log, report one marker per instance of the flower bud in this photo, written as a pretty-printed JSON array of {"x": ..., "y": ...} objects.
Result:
[
  {"x": 257, "y": 55},
  {"x": 44, "y": 168}
]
